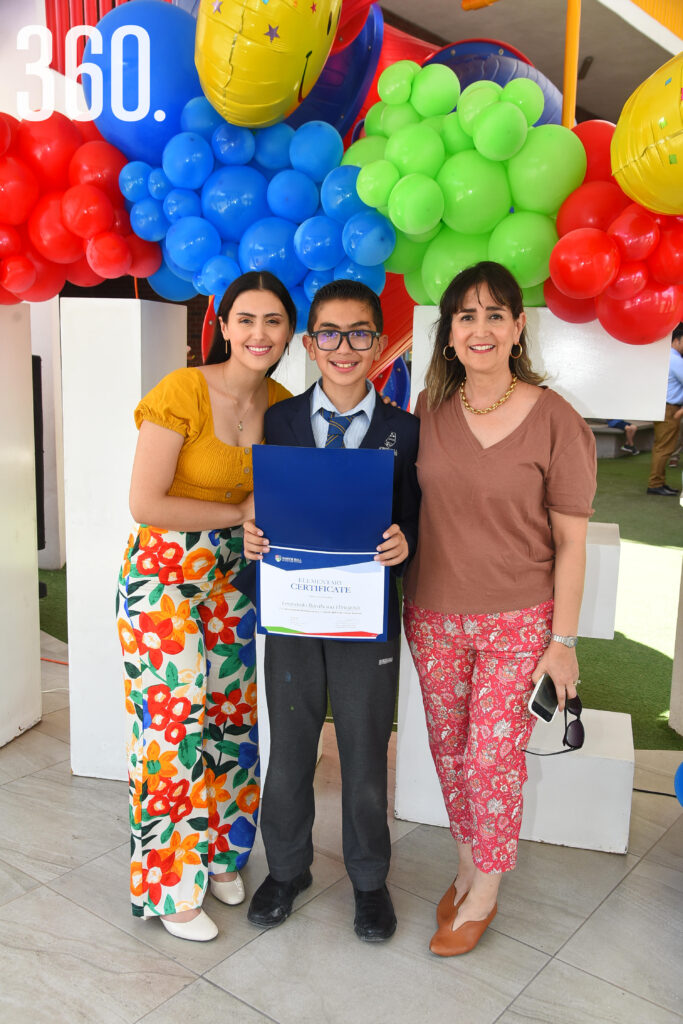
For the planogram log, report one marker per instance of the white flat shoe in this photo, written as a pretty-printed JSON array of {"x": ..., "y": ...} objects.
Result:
[
  {"x": 199, "y": 929},
  {"x": 228, "y": 892}
]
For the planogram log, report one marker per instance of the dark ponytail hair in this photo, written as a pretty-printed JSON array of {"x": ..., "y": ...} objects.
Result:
[{"x": 252, "y": 281}]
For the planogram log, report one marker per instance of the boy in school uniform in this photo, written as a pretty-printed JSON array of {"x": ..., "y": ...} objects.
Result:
[{"x": 341, "y": 410}]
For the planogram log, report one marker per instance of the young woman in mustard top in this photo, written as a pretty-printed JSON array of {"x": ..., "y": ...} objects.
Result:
[{"x": 185, "y": 632}]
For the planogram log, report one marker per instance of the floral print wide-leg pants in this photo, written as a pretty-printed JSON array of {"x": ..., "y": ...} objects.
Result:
[
  {"x": 475, "y": 675},
  {"x": 189, "y": 655}
]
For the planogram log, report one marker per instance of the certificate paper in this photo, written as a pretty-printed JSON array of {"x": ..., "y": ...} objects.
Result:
[{"x": 324, "y": 513}]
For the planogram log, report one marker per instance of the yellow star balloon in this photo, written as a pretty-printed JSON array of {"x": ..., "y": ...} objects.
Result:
[
  {"x": 647, "y": 145},
  {"x": 258, "y": 59}
]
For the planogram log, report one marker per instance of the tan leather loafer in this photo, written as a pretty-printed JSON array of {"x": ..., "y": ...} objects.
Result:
[{"x": 447, "y": 942}]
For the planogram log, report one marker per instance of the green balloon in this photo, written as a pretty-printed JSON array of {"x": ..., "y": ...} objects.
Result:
[
  {"x": 416, "y": 149},
  {"x": 416, "y": 289},
  {"x": 526, "y": 95},
  {"x": 407, "y": 255},
  {"x": 373, "y": 119},
  {"x": 454, "y": 138},
  {"x": 436, "y": 122},
  {"x": 499, "y": 131},
  {"x": 448, "y": 254},
  {"x": 474, "y": 99},
  {"x": 394, "y": 84},
  {"x": 416, "y": 204},
  {"x": 533, "y": 296},
  {"x": 435, "y": 90},
  {"x": 396, "y": 117},
  {"x": 376, "y": 181},
  {"x": 364, "y": 151},
  {"x": 523, "y": 242},
  {"x": 550, "y": 165},
  {"x": 425, "y": 236},
  {"x": 476, "y": 192}
]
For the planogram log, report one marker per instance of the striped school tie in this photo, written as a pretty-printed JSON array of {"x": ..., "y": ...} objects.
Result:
[{"x": 337, "y": 427}]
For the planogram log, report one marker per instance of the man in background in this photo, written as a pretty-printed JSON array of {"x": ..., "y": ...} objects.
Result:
[{"x": 666, "y": 430}]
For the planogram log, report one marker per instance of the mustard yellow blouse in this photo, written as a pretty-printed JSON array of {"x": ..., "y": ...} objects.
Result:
[{"x": 207, "y": 469}]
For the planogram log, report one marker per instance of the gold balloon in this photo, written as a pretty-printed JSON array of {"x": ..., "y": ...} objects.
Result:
[
  {"x": 647, "y": 145},
  {"x": 258, "y": 59}
]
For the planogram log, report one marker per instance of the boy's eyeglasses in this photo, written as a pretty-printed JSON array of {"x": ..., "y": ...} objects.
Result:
[
  {"x": 360, "y": 341},
  {"x": 574, "y": 733}
]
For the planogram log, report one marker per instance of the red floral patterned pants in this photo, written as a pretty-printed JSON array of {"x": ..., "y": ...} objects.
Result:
[{"x": 475, "y": 675}]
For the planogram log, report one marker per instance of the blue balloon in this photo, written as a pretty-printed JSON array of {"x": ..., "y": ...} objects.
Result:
[
  {"x": 397, "y": 388},
  {"x": 678, "y": 783},
  {"x": 338, "y": 194},
  {"x": 187, "y": 160},
  {"x": 191, "y": 241},
  {"x": 316, "y": 149},
  {"x": 182, "y": 202},
  {"x": 292, "y": 195},
  {"x": 217, "y": 274},
  {"x": 368, "y": 238},
  {"x": 133, "y": 181},
  {"x": 171, "y": 75},
  {"x": 234, "y": 198},
  {"x": 148, "y": 220},
  {"x": 269, "y": 245},
  {"x": 158, "y": 184},
  {"x": 318, "y": 243},
  {"x": 233, "y": 145},
  {"x": 184, "y": 275},
  {"x": 373, "y": 277},
  {"x": 168, "y": 286},
  {"x": 231, "y": 249},
  {"x": 272, "y": 146},
  {"x": 199, "y": 116},
  {"x": 314, "y": 280},
  {"x": 302, "y": 307},
  {"x": 198, "y": 282}
]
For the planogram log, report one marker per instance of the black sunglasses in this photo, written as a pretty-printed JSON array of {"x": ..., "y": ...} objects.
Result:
[{"x": 574, "y": 732}]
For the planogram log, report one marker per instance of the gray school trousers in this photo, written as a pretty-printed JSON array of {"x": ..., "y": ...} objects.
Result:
[{"x": 361, "y": 678}]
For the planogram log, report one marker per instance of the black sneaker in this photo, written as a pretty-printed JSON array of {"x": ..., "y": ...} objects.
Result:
[{"x": 631, "y": 449}]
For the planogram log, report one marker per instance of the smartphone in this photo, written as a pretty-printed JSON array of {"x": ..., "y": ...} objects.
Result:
[{"x": 543, "y": 700}]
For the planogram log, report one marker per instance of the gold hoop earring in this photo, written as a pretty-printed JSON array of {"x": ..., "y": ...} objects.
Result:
[
  {"x": 521, "y": 350},
  {"x": 449, "y": 359}
]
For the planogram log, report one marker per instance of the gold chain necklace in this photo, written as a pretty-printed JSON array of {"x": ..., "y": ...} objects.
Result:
[{"x": 489, "y": 408}]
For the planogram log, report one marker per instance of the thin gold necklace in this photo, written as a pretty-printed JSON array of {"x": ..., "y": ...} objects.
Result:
[
  {"x": 489, "y": 408},
  {"x": 240, "y": 421}
]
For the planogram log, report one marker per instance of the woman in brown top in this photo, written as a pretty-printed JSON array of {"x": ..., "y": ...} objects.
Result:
[{"x": 507, "y": 472}]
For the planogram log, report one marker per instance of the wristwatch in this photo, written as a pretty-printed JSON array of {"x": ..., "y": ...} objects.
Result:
[{"x": 568, "y": 641}]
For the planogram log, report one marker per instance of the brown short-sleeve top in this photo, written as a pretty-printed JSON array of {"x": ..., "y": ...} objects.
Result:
[
  {"x": 207, "y": 468},
  {"x": 485, "y": 543}
]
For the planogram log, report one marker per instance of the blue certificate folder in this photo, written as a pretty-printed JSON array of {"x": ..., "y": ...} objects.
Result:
[{"x": 322, "y": 508}]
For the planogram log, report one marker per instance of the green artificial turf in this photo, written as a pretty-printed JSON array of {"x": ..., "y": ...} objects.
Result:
[{"x": 53, "y": 605}]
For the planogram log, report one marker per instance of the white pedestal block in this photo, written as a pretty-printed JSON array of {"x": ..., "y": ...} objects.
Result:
[
  {"x": 599, "y": 605},
  {"x": 20, "y": 697},
  {"x": 113, "y": 352},
  {"x": 582, "y": 798}
]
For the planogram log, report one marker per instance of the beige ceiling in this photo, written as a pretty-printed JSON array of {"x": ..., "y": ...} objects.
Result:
[{"x": 622, "y": 57}]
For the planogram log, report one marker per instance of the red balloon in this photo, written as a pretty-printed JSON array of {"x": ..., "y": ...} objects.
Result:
[
  {"x": 596, "y": 137},
  {"x": 87, "y": 210},
  {"x": 98, "y": 163},
  {"x": 646, "y": 317},
  {"x": 636, "y": 232},
  {"x": 594, "y": 204},
  {"x": 17, "y": 273},
  {"x": 109, "y": 254},
  {"x": 631, "y": 279},
  {"x": 352, "y": 18},
  {"x": 666, "y": 262},
  {"x": 7, "y": 298},
  {"x": 48, "y": 234},
  {"x": 81, "y": 274},
  {"x": 10, "y": 241},
  {"x": 19, "y": 190},
  {"x": 8, "y": 132},
  {"x": 50, "y": 279},
  {"x": 47, "y": 147},
  {"x": 121, "y": 224},
  {"x": 584, "y": 262},
  {"x": 574, "y": 311},
  {"x": 89, "y": 131},
  {"x": 146, "y": 256}
]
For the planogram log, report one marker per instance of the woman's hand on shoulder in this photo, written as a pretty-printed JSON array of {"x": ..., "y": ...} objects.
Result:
[
  {"x": 562, "y": 666},
  {"x": 255, "y": 544}
]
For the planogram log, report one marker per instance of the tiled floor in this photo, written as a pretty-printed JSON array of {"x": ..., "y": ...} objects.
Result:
[{"x": 580, "y": 936}]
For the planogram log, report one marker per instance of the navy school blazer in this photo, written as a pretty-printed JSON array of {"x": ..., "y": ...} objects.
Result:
[{"x": 289, "y": 423}]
